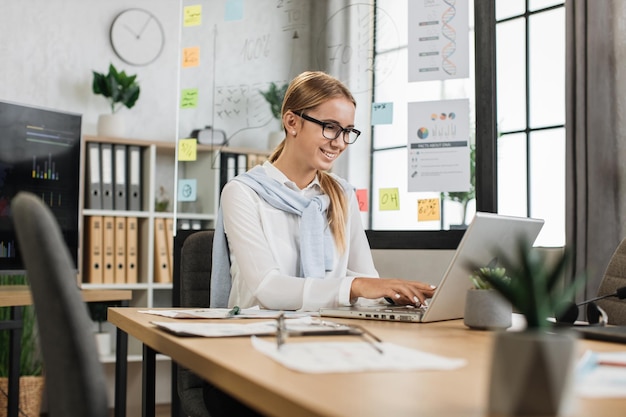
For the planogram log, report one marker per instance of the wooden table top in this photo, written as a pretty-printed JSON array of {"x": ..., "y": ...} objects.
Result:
[
  {"x": 19, "y": 295},
  {"x": 236, "y": 367}
]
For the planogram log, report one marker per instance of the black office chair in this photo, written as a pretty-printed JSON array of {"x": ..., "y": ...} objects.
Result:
[
  {"x": 195, "y": 280},
  {"x": 614, "y": 278},
  {"x": 75, "y": 380},
  {"x": 197, "y": 397}
]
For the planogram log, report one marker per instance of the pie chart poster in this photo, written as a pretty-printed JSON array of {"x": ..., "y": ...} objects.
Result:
[{"x": 438, "y": 146}]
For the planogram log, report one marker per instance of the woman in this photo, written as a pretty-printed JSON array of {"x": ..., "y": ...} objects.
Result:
[{"x": 294, "y": 232}]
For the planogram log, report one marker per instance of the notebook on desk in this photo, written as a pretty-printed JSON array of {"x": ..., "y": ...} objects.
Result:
[{"x": 487, "y": 233}]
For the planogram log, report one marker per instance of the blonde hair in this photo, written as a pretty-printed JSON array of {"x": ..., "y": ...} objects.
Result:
[{"x": 305, "y": 92}]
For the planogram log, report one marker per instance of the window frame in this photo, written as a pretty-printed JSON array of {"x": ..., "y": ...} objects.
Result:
[{"x": 486, "y": 142}]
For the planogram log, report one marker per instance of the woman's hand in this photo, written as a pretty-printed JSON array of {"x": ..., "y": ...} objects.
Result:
[{"x": 399, "y": 290}]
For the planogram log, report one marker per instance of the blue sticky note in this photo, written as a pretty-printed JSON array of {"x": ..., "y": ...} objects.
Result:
[
  {"x": 233, "y": 10},
  {"x": 382, "y": 113},
  {"x": 187, "y": 189}
]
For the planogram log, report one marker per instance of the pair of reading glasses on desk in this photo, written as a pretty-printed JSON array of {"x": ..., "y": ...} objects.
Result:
[{"x": 330, "y": 329}]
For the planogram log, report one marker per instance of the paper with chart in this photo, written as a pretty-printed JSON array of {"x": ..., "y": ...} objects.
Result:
[{"x": 438, "y": 146}]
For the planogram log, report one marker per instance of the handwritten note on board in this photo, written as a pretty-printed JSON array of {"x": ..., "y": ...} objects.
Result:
[
  {"x": 187, "y": 149},
  {"x": 189, "y": 98},
  {"x": 428, "y": 209},
  {"x": 361, "y": 197},
  {"x": 187, "y": 189},
  {"x": 388, "y": 199},
  {"x": 191, "y": 57},
  {"x": 192, "y": 15},
  {"x": 382, "y": 113}
]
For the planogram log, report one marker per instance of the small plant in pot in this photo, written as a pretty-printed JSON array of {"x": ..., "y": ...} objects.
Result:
[
  {"x": 532, "y": 370},
  {"x": 120, "y": 90},
  {"x": 274, "y": 96},
  {"x": 485, "y": 308}
]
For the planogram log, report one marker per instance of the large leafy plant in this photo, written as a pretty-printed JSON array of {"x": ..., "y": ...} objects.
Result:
[
  {"x": 117, "y": 87},
  {"x": 533, "y": 284}
]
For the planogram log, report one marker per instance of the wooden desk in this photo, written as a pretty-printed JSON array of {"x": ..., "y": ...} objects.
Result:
[
  {"x": 15, "y": 296},
  {"x": 235, "y": 366}
]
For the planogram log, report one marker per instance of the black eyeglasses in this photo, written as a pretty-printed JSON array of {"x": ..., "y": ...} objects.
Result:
[{"x": 331, "y": 131}]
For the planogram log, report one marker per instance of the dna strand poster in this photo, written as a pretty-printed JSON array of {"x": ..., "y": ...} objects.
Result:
[{"x": 438, "y": 44}]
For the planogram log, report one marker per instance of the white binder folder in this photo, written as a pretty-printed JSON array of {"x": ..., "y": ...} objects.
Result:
[
  {"x": 134, "y": 178},
  {"x": 106, "y": 153},
  {"x": 119, "y": 201},
  {"x": 94, "y": 182}
]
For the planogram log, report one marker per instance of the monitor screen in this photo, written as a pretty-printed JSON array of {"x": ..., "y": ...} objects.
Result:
[{"x": 40, "y": 153}]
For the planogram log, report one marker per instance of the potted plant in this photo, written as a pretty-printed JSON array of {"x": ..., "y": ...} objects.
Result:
[
  {"x": 485, "y": 308},
  {"x": 31, "y": 364},
  {"x": 120, "y": 90},
  {"x": 532, "y": 370},
  {"x": 274, "y": 96}
]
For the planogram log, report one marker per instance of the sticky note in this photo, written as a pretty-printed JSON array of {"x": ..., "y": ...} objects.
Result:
[
  {"x": 187, "y": 189},
  {"x": 428, "y": 209},
  {"x": 388, "y": 199},
  {"x": 192, "y": 15},
  {"x": 361, "y": 197},
  {"x": 191, "y": 57},
  {"x": 189, "y": 98},
  {"x": 187, "y": 149},
  {"x": 382, "y": 113},
  {"x": 233, "y": 10}
]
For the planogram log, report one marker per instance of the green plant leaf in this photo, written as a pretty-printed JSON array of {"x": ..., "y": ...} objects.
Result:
[{"x": 117, "y": 87}]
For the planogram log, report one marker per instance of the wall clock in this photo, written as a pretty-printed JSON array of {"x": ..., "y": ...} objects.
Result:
[{"x": 137, "y": 37}]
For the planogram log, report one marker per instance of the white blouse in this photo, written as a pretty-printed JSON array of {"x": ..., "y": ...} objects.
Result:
[{"x": 264, "y": 245}]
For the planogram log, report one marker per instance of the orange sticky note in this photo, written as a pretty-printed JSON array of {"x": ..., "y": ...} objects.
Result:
[
  {"x": 388, "y": 199},
  {"x": 192, "y": 15},
  {"x": 361, "y": 197},
  {"x": 191, "y": 57},
  {"x": 187, "y": 149},
  {"x": 428, "y": 209}
]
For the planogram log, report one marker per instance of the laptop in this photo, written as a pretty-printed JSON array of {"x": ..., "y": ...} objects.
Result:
[{"x": 487, "y": 234}]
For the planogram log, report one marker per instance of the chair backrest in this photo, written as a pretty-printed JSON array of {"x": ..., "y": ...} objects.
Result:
[
  {"x": 75, "y": 380},
  {"x": 195, "y": 269},
  {"x": 195, "y": 287},
  {"x": 614, "y": 278}
]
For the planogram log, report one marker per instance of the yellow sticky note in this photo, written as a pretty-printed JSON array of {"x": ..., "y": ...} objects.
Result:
[
  {"x": 388, "y": 199},
  {"x": 189, "y": 98},
  {"x": 191, "y": 57},
  {"x": 187, "y": 149},
  {"x": 428, "y": 209},
  {"x": 192, "y": 15}
]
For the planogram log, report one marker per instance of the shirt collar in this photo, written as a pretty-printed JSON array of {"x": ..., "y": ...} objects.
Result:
[{"x": 278, "y": 175}]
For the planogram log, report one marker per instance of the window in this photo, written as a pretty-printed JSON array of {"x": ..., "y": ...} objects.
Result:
[{"x": 528, "y": 156}]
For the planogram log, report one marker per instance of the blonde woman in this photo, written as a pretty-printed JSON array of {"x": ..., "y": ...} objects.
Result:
[{"x": 293, "y": 233}]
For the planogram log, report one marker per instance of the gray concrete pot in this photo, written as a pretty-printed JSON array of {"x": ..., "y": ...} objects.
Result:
[
  {"x": 532, "y": 373},
  {"x": 486, "y": 310}
]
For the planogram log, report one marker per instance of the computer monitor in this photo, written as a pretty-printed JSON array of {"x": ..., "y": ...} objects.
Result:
[{"x": 40, "y": 153}]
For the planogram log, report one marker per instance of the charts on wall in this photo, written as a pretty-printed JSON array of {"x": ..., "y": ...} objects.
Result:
[{"x": 438, "y": 146}]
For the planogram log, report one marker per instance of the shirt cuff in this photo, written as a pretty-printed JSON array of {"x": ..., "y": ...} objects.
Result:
[{"x": 344, "y": 292}]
